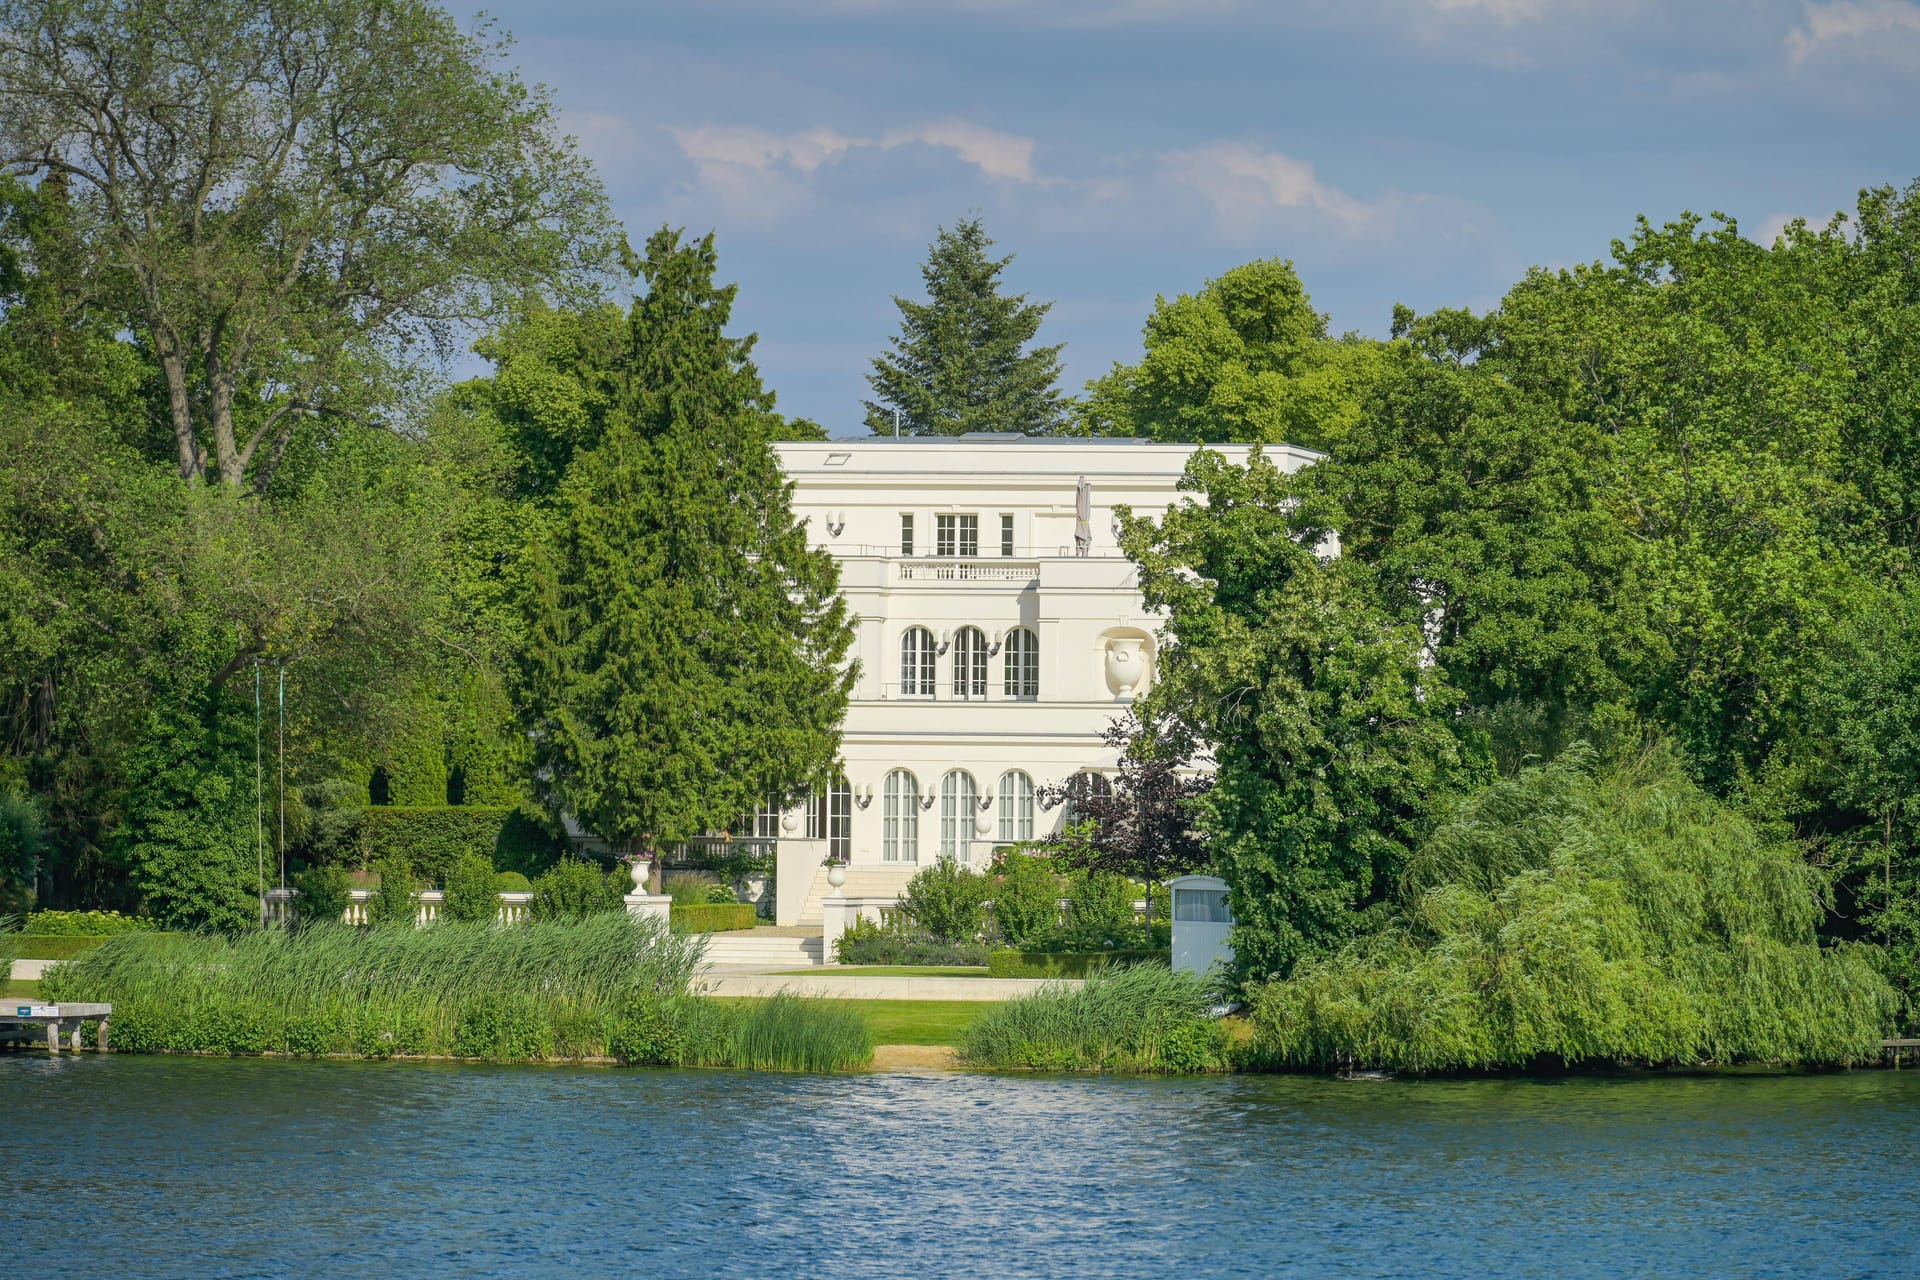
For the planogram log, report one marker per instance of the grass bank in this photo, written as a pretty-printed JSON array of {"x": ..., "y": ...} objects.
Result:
[
  {"x": 607, "y": 987},
  {"x": 917, "y": 1022},
  {"x": 1143, "y": 1019}
]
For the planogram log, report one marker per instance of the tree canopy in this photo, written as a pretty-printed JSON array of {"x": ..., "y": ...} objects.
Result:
[{"x": 963, "y": 360}]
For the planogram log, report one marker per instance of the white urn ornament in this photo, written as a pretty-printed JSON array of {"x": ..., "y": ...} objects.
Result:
[
  {"x": 637, "y": 870},
  {"x": 836, "y": 874},
  {"x": 1126, "y": 664}
]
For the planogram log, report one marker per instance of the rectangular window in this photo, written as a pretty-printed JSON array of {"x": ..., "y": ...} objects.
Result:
[
  {"x": 956, "y": 535},
  {"x": 1006, "y": 535},
  {"x": 906, "y": 533}
]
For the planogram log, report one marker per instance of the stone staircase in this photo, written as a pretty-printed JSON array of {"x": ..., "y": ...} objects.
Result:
[
  {"x": 766, "y": 948},
  {"x": 862, "y": 882}
]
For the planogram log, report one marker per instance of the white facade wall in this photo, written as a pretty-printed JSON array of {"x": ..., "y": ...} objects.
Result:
[{"x": 1080, "y": 609}]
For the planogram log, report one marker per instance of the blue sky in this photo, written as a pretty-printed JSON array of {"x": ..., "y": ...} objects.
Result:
[{"x": 1417, "y": 151}]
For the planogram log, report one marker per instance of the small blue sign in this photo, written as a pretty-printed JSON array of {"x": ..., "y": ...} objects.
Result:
[{"x": 24, "y": 1011}]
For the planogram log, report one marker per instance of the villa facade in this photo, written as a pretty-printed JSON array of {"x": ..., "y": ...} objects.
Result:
[{"x": 1000, "y": 630}]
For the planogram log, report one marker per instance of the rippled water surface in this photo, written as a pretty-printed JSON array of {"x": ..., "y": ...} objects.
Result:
[{"x": 172, "y": 1167}]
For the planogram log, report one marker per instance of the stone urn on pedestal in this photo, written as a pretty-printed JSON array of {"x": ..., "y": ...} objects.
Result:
[
  {"x": 1126, "y": 664},
  {"x": 836, "y": 875}
]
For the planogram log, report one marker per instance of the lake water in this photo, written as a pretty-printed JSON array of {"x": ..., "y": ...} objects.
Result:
[{"x": 156, "y": 1167}]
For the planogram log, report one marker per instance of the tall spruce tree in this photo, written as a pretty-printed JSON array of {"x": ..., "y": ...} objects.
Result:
[
  {"x": 961, "y": 361},
  {"x": 685, "y": 643}
]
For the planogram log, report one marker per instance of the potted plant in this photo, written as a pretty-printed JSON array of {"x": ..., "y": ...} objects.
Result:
[{"x": 836, "y": 869}]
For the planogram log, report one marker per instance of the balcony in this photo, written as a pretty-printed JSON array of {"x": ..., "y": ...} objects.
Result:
[{"x": 958, "y": 569}]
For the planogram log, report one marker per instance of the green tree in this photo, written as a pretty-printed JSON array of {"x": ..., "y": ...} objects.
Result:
[
  {"x": 945, "y": 900},
  {"x": 1333, "y": 741},
  {"x": 285, "y": 200},
  {"x": 1245, "y": 359},
  {"x": 471, "y": 895},
  {"x": 190, "y": 834},
  {"x": 962, "y": 360},
  {"x": 392, "y": 901},
  {"x": 686, "y": 644}
]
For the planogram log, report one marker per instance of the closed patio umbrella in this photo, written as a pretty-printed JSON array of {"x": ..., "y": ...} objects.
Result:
[{"x": 1082, "y": 517}]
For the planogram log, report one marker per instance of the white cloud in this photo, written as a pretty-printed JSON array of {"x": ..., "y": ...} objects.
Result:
[
  {"x": 1887, "y": 30},
  {"x": 996, "y": 154},
  {"x": 1246, "y": 185}
]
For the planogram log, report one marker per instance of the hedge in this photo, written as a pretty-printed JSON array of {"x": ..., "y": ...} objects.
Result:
[
  {"x": 432, "y": 838},
  {"x": 50, "y": 946},
  {"x": 81, "y": 924},
  {"x": 712, "y": 917},
  {"x": 1061, "y": 964}
]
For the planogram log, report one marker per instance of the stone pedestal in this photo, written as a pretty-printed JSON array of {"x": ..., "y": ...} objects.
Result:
[
  {"x": 656, "y": 906},
  {"x": 837, "y": 914}
]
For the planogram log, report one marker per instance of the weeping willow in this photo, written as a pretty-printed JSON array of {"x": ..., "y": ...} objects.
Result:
[{"x": 1584, "y": 914}]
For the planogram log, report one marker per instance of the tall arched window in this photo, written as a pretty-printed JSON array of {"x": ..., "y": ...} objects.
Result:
[
  {"x": 1023, "y": 664},
  {"x": 969, "y": 663},
  {"x": 1016, "y": 807},
  {"x": 916, "y": 663},
  {"x": 900, "y": 818},
  {"x": 959, "y": 799}
]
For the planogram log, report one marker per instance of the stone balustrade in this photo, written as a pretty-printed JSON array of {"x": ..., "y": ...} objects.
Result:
[{"x": 516, "y": 907}]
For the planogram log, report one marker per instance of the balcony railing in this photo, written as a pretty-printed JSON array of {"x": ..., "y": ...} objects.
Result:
[
  {"x": 515, "y": 907},
  {"x": 957, "y": 569}
]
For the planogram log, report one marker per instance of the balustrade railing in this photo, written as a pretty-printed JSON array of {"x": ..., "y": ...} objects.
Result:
[{"x": 516, "y": 907}]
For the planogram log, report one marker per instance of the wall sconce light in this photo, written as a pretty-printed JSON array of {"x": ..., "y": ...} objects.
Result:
[
  {"x": 863, "y": 795},
  {"x": 926, "y": 801},
  {"x": 995, "y": 649},
  {"x": 946, "y": 643},
  {"x": 836, "y": 522},
  {"x": 986, "y": 802}
]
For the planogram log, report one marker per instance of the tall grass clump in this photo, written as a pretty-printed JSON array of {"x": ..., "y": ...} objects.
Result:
[
  {"x": 1577, "y": 914},
  {"x": 787, "y": 1033},
  {"x": 1143, "y": 1018},
  {"x": 548, "y": 989}
]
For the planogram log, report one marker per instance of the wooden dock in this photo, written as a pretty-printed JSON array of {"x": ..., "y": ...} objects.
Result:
[{"x": 22, "y": 1021}]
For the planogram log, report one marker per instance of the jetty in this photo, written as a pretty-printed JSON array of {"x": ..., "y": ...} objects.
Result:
[{"x": 22, "y": 1021}]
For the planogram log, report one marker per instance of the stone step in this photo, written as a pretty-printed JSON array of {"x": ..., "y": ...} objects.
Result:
[
  {"x": 862, "y": 882},
  {"x": 741, "y": 949}
]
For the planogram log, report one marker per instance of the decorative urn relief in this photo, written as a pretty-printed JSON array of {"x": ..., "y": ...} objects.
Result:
[{"x": 1126, "y": 664}]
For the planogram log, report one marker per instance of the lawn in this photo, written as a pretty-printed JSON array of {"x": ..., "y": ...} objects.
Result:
[
  {"x": 28, "y": 987},
  {"x": 938, "y": 1022},
  {"x": 892, "y": 971}
]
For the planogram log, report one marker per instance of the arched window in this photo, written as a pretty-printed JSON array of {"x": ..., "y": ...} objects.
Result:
[
  {"x": 969, "y": 663},
  {"x": 916, "y": 663},
  {"x": 1016, "y": 807},
  {"x": 959, "y": 800},
  {"x": 1023, "y": 664},
  {"x": 900, "y": 818}
]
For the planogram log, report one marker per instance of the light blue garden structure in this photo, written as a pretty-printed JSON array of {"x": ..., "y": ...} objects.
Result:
[{"x": 1201, "y": 923}]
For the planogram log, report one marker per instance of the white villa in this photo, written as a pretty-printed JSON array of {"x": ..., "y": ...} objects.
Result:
[{"x": 1000, "y": 629}]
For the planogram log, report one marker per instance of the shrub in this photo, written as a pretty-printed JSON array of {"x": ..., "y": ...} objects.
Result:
[
  {"x": 23, "y": 836},
  {"x": 1101, "y": 905},
  {"x": 945, "y": 900},
  {"x": 511, "y": 882},
  {"x": 392, "y": 901},
  {"x": 712, "y": 917},
  {"x": 82, "y": 924},
  {"x": 470, "y": 894},
  {"x": 1063, "y": 964},
  {"x": 433, "y": 837},
  {"x": 869, "y": 942},
  {"x": 1568, "y": 915},
  {"x": 1142, "y": 1018},
  {"x": 573, "y": 889},
  {"x": 721, "y": 893},
  {"x": 323, "y": 894},
  {"x": 1026, "y": 898}
]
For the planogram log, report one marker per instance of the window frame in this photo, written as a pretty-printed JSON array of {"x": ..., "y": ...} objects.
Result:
[
  {"x": 1006, "y": 534},
  {"x": 1016, "y": 806},
  {"x": 1020, "y": 669},
  {"x": 900, "y": 817},
  {"x": 919, "y": 664},
  {"x": 956, "y": 534},
  {"x": 970, "y": 664},
  {"x": 959, "y": 800},
  {"x": 906, "y": 533}
]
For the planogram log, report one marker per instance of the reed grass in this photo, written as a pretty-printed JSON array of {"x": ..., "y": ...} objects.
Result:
[
  {"x": 787, "y": 1033},
  {"x": 1143, "y": 1019},
  {"x": 547, "y": 989}
]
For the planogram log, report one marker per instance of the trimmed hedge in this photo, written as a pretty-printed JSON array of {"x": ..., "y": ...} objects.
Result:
[
  {"x": 81, "y": 924},
  {"x": 1062, "y": 964},
  {"x": 712, "y": 917},
  {"x": 432, "y": 838},
  {"x": 56, "y": 946}
]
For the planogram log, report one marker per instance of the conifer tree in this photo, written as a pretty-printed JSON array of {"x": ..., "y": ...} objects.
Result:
[
  {"x": 685, "y": 643},
  {"x": 961, "y": 361}
]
